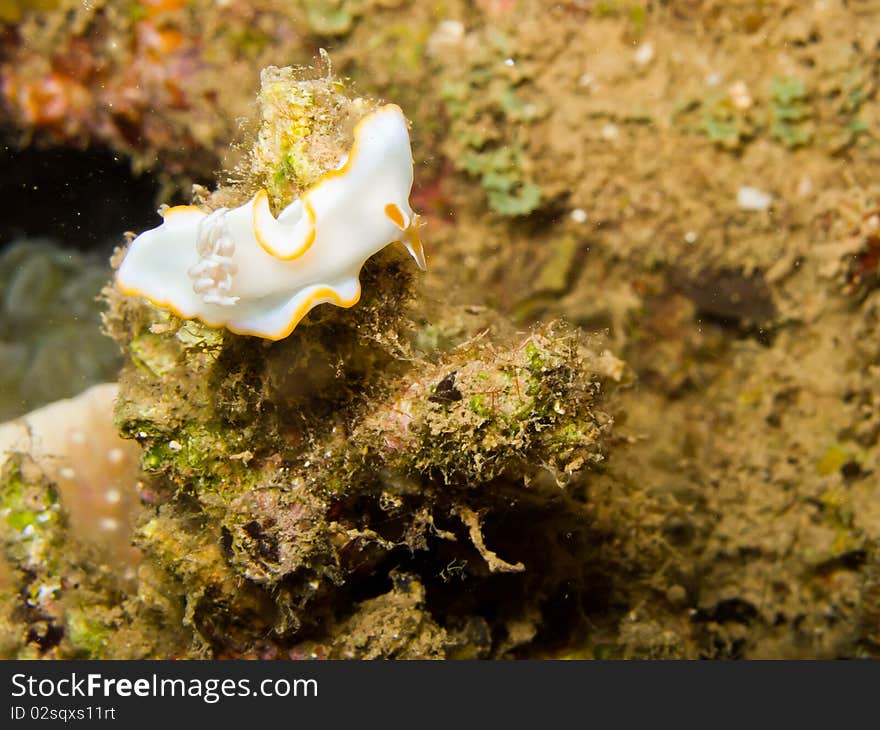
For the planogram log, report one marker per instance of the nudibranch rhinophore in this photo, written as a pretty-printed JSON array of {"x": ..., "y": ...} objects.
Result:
[{"x": 255, "y": 274}]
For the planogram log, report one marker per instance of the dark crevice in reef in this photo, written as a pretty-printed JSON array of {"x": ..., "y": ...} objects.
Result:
[{"x": 83, "y": 198}]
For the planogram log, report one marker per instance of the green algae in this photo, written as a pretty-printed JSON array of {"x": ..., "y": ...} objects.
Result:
[
  {"x": 494, "y": 154},
  {"x": 329, "y": 17},
  {"x": 305, "y": 127},
  {"x": 64, "y": 600},
  {"x": 790, "y": 112}
]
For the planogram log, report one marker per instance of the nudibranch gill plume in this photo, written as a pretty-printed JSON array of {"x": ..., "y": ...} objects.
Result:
[{"x": 255, "y": 274}]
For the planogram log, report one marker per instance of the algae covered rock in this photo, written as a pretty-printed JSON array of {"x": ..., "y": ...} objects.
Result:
[
  {"x": 391, "y": 480},
  {"x": 285, "y": 496},
  {"x": 356, "y": 473},
  {"x": 305, "y": 125},
  {"x": 61, "y": 597}
]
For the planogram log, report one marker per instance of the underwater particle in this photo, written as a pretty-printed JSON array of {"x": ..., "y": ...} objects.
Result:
[
  {"x": 739, "y": 95},
  {"x": 578, "y": 215},
  {"x": 749, "y": 198},
  {"x": 448, "y": 34},
  {"x": 610, "y": 131},
  {"x": 74, "y": 442},
  {"x": 644, "y": 54},
  {"x": 255, "y": 274},
  {"x": 805, "y": 186}
]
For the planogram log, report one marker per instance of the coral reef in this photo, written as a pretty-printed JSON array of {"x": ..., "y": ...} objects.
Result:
[
  {"x": 67, "y": 508},
  {"x": 145, "y": 78},
  {"x": 694, "y": 183},
  {"x": 739, "y": 501},
  {"x": 150, "y": 78},
  {"x": 371, "y": 485},
  {"x": 94, "y": 472}
]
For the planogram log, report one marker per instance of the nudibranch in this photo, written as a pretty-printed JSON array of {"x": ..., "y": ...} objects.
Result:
[{"x": 255, "y": 274}]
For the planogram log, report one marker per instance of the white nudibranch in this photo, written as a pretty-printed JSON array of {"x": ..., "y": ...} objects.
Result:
[{"x": 255, "y": 274}]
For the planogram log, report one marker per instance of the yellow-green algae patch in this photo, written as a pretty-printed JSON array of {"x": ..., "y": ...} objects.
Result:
[{"x": 306, "y": 126}]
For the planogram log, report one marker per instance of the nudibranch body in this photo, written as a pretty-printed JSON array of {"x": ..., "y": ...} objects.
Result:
[{"x": 255, "y": 274}]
